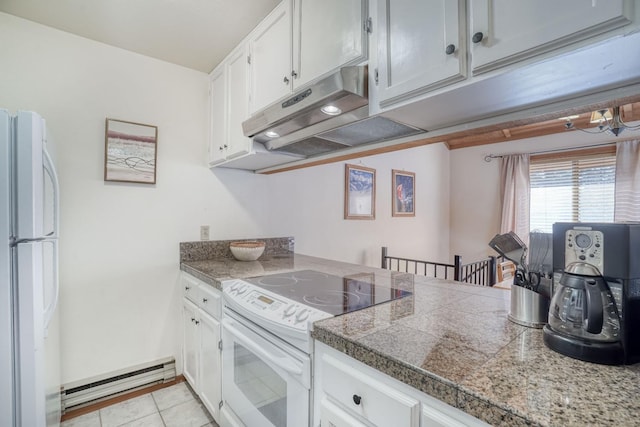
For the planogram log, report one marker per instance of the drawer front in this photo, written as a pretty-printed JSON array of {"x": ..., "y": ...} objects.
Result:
[
  {"x": 333, "y": 416},
  {"x": 377, "y": 402},
  {"x": 210, "y": 300},
  {"x": 190, "y": 288}
]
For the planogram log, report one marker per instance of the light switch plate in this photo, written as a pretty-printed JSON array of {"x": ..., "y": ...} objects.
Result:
[{"x": 204, "y": 232}]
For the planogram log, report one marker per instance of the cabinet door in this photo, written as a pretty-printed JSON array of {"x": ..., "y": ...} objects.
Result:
[
  {"x": 515, "y": 30},
  {"x": 217, "y": 117},
  {"x": 421, "y": 47},
  {"x": 237, "y": 103},
  {"x": 210, "y": 369},
  {"x": 191, "y": 344},
  {"x": 327, "y": 35},
  {"x": 270, "y": 47}
]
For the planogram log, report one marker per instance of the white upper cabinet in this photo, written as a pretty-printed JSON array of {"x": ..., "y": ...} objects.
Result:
[
  {"x": 217, "y": 116},
  {"x": 328, "y": 34},
  {"x": 507, "y": 31},
  {"x": 236, "y": 68},
  {"x": 270, "y": 48},
  {"x": 421, "y": 46},
  {"x": 302, "y": 40},
  {"x": 229, "y": 105}
]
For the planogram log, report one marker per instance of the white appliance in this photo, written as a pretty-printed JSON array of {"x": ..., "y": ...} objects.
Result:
[
  {"x": 29, "y": 330},
  {"x": 267, "y": 346},
  {"x": 266, "y": 378}
]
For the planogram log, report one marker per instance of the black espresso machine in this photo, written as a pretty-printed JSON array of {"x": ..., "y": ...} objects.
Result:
[{"x": 594, "y": 313}]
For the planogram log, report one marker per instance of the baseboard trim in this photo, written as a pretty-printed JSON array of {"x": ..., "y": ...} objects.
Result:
[{"x": 121, "y": 398}]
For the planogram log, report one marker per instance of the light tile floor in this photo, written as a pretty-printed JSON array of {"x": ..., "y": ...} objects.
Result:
[{"x": 175, "y": 406}]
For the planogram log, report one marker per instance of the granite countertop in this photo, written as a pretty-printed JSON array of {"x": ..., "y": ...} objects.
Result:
[{"x": 454, "y": 342}]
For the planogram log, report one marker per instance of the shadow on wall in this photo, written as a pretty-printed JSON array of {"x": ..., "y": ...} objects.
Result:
[{"x": 248, "y": 194}]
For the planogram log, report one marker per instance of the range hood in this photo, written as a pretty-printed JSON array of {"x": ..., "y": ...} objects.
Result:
[{"x": 329, "y": 115}]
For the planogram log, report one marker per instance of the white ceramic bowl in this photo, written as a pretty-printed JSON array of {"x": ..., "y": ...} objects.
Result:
[{"x": 246, "y": 251}]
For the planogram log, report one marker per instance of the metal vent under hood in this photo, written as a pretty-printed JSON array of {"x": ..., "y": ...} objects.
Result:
[
  {"x": 329, "y": 115},
  {"x": 373, "y": 129}
]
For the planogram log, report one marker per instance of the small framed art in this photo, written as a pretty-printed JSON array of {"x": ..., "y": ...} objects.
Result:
[
  {"x": 359, "y": 192},
  {"x": 403, "y": 193},
  {"x": 130, "y": 152}
]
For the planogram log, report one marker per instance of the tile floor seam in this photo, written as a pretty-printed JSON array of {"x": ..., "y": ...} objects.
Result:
[{"x": 158, "y": 411}]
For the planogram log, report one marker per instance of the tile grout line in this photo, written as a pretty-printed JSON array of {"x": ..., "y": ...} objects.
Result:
[{"x": 158, "y": 409}]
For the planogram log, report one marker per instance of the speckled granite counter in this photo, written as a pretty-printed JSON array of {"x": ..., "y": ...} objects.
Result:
[{"x": 454, "y": 342}]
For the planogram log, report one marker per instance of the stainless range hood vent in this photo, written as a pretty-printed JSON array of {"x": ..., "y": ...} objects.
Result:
[
  {"x": 373, "y": 129},
  {"x": 297, "y": 124},
  {"x": 344, "y": 91}
]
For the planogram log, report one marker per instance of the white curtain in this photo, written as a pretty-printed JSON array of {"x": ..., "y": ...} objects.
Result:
[
  {"x": 514, "y": 178},
  {"x": 627, "y": 192}
]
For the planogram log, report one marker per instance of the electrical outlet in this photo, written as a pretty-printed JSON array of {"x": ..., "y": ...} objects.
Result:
[{"x": 204, "y": 232}]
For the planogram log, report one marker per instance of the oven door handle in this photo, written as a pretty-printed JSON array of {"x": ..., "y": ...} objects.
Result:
[{"x": 283, "y": 362}]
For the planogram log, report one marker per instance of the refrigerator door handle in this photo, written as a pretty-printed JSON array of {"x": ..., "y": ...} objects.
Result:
[
  {"x": 51, "y": 308},
  {"x": 51, "y": 171}
]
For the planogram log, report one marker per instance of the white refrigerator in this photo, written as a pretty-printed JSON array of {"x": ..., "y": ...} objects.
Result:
[{"x": 29, "y": 286}]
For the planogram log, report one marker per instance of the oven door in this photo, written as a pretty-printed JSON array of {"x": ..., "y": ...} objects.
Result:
[{"x": 265, "y": 382}]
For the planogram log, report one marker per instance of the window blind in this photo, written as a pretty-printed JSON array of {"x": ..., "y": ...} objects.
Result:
[{"x": 578, "y": 188}]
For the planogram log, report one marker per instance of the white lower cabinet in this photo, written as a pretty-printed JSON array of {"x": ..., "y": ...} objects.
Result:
[
  {"x": 202, "y": 358},
  {"x": 348, "y": 393},
  {"x": 190, "y": 351},
  {"x": 210, "y": 372}
]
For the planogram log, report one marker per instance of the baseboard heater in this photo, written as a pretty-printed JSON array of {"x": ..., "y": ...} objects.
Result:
[{"x": 86, "y": 392}]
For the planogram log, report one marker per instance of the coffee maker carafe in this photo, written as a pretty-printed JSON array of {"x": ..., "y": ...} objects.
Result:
[{"x": 594, "y": 313}]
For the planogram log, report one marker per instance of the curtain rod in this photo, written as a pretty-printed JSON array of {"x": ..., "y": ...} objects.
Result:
[{"x": 490, "y": 157}]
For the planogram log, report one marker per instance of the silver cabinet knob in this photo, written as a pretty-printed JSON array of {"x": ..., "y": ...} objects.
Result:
[
  {"x": 294, "y": 74},
  {"x": 286, "y": 80},
  {"x": 204, "y": 300},
  {"x": 450, "y": 49}
]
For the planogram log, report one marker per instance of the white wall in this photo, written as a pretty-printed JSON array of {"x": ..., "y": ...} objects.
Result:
[
  {"x": 475, "y": 188},
  {"x": 120, "y": 300},
  {"x": 119, "y": 242},
  {"x": 309, "y": 204}
]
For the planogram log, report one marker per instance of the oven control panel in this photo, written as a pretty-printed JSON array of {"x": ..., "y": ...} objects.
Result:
[
  {"x": 259, "y": 304},
  {"x": 583, "y": 244}
]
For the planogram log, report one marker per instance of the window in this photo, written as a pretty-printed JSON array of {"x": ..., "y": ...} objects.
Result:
[{"x": 572, "y": 188}]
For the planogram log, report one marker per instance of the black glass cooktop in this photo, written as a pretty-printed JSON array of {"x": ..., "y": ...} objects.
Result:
[{"x": 331, "y": 294}]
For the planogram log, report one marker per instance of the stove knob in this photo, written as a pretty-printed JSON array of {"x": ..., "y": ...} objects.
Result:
[
  {"x": 290, "y": 310},
  {"x": 302, "y": 315}
]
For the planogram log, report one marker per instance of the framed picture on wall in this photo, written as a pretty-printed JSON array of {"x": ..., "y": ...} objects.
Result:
[
  {"x": 130, "y": 152},
  {"x": 359, "y": 192},
  {"x": 403, "y": 190}
]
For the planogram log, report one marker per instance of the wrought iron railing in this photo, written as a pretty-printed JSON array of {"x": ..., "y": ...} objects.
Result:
[{"x": 481, "y": 272}]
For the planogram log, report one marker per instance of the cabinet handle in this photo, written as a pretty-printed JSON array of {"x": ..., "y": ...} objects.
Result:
[
  {"x": 220, "y": 148},
  {"x": 225, "y": 146},
  {"x": 286, "y": 80},
  {"x": 193, "y": 319},
  {"x": 450, "y": 49},
  {"x": 204, "y": 300},
  {"x": 477, "y": 37},
  {"x": 356, "y": 399},
  {"x": 197, "y": 322},
  {"x": 294, "y": 74}
]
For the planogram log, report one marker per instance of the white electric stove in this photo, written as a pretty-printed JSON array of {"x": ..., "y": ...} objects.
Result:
[{"x": 267, "y": 342}]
